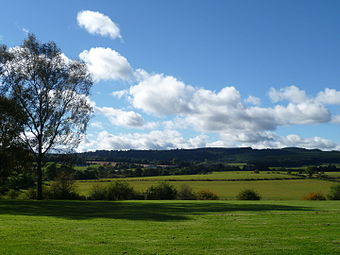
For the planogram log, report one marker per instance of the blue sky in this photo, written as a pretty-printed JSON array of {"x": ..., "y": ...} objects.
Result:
[{"x": 183, "y": 74}]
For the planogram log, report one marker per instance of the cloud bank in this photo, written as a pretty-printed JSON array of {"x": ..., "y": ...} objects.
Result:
[{"x": 233, "y": 120}]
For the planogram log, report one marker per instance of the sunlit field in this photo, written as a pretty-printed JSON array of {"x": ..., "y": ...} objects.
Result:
[
  {"x": 169, "y": 227},
  {"x": 294, "y": 189}
]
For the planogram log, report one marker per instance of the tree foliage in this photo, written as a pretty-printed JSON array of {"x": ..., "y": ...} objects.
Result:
[
  {"x": 248, "y": 194},
  {"x": 161, "y": 191},
  {"x": 53, "y": 93},
  {"x": 14, "y": 157}
]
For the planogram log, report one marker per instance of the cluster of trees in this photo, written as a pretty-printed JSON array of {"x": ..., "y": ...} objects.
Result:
[
  {"x": 43, "y": 107},
  {"x": 52, "y": 170}
]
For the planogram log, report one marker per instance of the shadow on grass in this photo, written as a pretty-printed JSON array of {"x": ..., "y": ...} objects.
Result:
[{"x": 131, "y": 210}]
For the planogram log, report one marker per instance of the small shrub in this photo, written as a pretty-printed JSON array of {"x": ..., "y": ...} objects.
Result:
[
  {"x": 12, "y": 194},
  {"x": 31, "y": 193},
  {"x": 248, "y": 194},
  {"x": 314, "y": 196},
  {"x": 62, "y": 188},
  {"x": 334, "y": 193},
  {"x": 119, "y": 190},
  {"x": 185, "y": 193},
  {"x": 97, "y": 192},
  {"x": 162, "y": 191},
  {"x": 256, "y": 171},
  {"x": 206, "y": 195}
]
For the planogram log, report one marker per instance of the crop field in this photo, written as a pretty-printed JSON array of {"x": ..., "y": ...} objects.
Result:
[
  {"x": 333, "y": 174},
  {"x": 294, "y": 189},
  {"x": 169, "y": 227},
  {"x": 220, "y": 176}
]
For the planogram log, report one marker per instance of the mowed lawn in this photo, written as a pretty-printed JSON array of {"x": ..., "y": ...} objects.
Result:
[{"x": 169, "y": 227}]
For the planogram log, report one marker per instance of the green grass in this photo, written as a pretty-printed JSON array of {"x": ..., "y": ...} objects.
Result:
[
  {"x": 269, "y": 189},
  {"x": 333, "y": 174},
  {"x": 169, "y": 227},
  {"x": 218, "y": 176}
]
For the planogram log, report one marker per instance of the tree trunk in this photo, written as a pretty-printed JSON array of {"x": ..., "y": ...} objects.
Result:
[{"x": 39, "y": 178}]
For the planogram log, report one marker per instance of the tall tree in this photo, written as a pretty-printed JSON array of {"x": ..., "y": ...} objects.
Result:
[
  {"x": 52, "y": 92},
  {"x": 14, "y": 156}
]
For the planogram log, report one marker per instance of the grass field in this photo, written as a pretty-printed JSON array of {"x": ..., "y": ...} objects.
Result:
[
  {"x": 169, "y": 227},
  {"x": 218, "y": 176},
  {"x": 333, "y": 174},
  {"x": 268, "y": 189}
]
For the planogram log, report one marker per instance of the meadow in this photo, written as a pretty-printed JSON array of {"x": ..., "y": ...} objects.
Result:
[
  {"x": 269, "y": 189},
  {"x": 169, "y": 227}
]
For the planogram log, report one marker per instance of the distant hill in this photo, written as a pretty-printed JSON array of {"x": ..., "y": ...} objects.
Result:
[{"x": 290, "y": 156}]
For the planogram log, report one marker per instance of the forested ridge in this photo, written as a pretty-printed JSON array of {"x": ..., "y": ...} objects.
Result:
[{"x": 290, "y": 156}]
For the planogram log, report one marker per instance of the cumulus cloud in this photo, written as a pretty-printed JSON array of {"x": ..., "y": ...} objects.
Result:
[
  {"x": 336, "y": 119},
  {"x": 328, "y": 96},
  {"x": 292, "y": 94},
  {"x": 268, "y": 139},
  {"x": 156, "y": 139},
  {"x": 207, "y": 110},
  {"x": 120, "y": 93},
  {"x": 97, "y": 124},
  {"x": 107, "y": 64},
  {"x": 161, "y": 95},
  {"x": 98, "y": 23},
  {"x": 118, "y": 117},
  {"x": 309, "y": 143},
  {"x": 172, "y": 139},
  {"x": 253, "y": 100}
]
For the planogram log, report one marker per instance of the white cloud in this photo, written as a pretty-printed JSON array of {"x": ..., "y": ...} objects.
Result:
[
  {"x": 328, "y": 96},
  {"x": 303, "y": 113},
  {"x": 172, "y": 139},
  {"x": 267, "y": 139},
  {"x": 97, "y": 124},
  {"x": 222, "y": 111},
  {"x": 120, "y": 93},
  {"x": 253, "y": 100},
  {"x": 98, "y": 23},
  {"x": 119, "y": 117},
  {"x": 308, "y": 143},
  {"x": 292, "y": 94},
  {"x": 161, "y": 95},
  {"x": 335, "y": 119},
  {"x": 107, "y": 64},
  {"x": 25, "y": 30},
  {"x": 157, "y": 139}
]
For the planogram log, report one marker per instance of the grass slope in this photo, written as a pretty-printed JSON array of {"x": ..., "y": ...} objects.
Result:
[{"x": 169, "y": 227}]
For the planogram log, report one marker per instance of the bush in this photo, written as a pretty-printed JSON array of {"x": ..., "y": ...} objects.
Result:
[
  {"x": 12, "y": 194},
  {"x": 62, "y": 188},
  {"x": 314, "y": 196},
  {"x": 334, "y": 193},
  {"x": 206, "y": 195},
  {"x": 31, "y": 193},
  {"x": 119, "y": 190},
  {"x": 162, "y": 191},
  {"x": 97, "y": 192},
  {"x": 185, "y": 193},
  {"x": 248, "y": 194}
]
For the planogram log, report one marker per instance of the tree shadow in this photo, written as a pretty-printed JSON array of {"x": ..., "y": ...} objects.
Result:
[{"x": 132, "y": 210}]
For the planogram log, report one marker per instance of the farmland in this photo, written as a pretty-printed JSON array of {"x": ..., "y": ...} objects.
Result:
[
  {"x": 169, "y": 227},
  {"x": 228, "y": 184}
]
